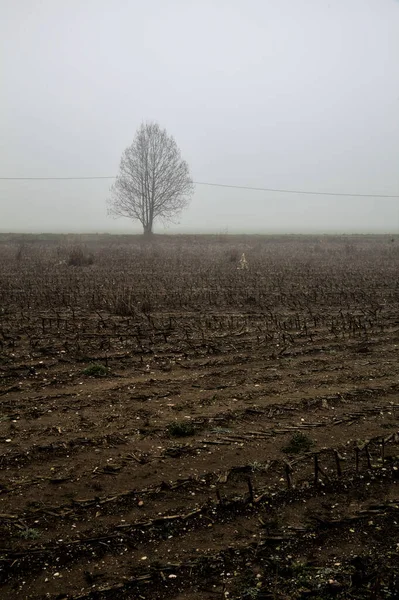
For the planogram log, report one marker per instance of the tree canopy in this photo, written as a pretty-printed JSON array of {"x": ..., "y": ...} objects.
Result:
[{"x": 153, "y": 181}]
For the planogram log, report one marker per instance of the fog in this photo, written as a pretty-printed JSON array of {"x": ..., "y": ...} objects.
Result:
[{"x": 293, "y": 94}]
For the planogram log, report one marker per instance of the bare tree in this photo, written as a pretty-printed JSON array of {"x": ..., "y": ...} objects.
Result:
[{"x": 153, "y": 180}]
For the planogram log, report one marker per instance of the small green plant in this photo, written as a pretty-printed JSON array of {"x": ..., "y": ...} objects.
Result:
[
  {"x": 95, "y": 370},
  {"x": 181, "y": 429},
  {"x": 299, "y": 442},
  {"x": 301, "y": 573},
  {"x": 29, "y": 534},
  {"x": 256, "y": 466},
  {"x": 251, "y": 593},
  {"x": 221, "y": 430}
]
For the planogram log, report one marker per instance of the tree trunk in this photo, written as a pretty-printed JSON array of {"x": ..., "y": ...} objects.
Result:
[{"x": 147, "y": 229}]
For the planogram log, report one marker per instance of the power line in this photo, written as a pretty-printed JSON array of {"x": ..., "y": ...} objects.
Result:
[
  {"x": 54, "y": 178},
  {"x": 283, "y": 191},
  {"x": 223, "y": 185}
]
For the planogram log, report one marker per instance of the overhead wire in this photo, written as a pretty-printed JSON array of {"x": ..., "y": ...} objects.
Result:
[{"x": 222, "y": 185}]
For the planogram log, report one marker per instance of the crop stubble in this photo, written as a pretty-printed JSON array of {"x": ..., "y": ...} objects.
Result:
[{"x": 147, "y": 396}]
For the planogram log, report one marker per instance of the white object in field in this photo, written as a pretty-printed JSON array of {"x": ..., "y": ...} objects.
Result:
[{"x": 243, "y": 262}]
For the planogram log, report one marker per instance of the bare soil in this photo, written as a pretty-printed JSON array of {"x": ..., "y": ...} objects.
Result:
[{"x": 150, "y": 396}]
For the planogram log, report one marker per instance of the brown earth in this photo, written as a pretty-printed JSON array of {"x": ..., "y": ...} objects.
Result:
[{"x": 163, "y": 471}]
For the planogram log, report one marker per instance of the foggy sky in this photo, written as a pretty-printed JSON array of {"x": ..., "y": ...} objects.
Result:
[{"x": 299, "y": 94}]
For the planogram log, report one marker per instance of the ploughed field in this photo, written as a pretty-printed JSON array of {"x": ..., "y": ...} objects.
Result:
[{"x": 177, "y": 424}]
